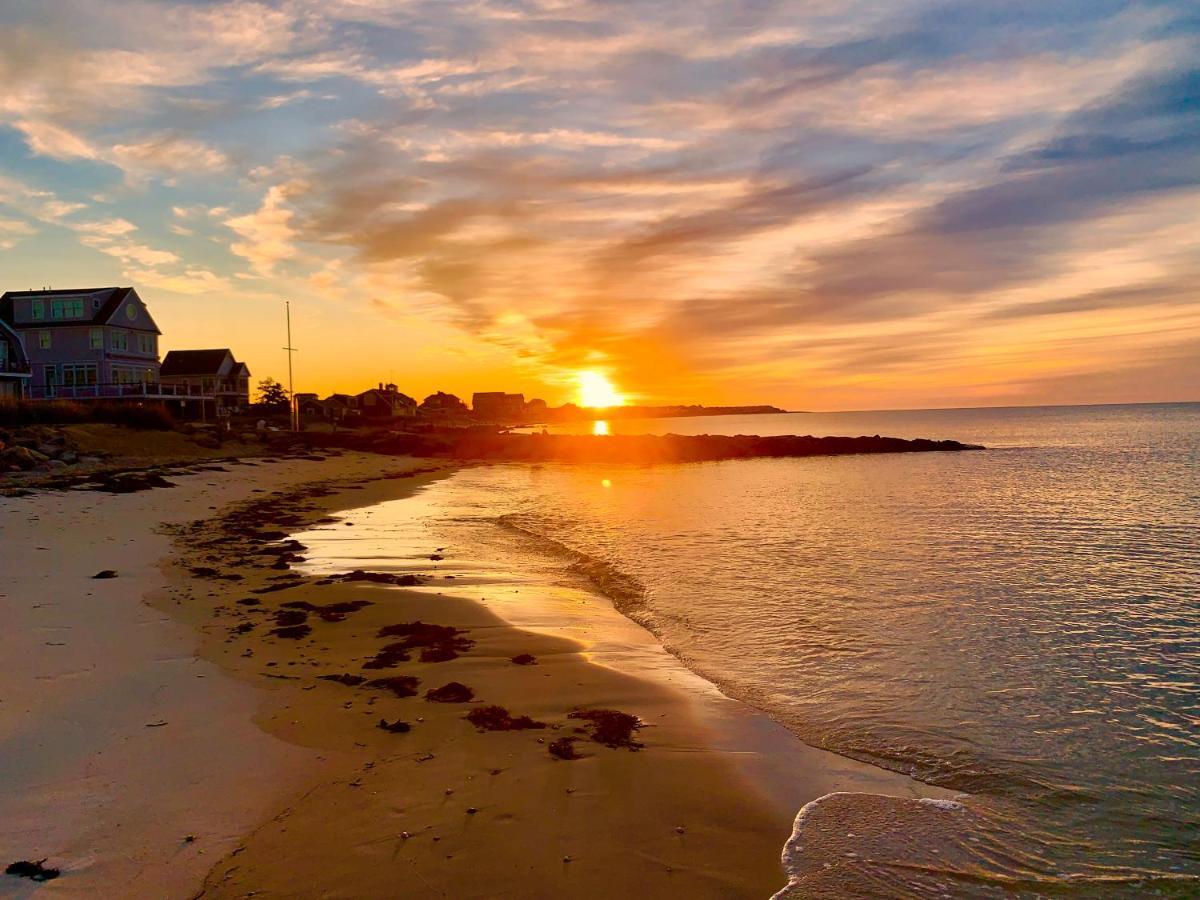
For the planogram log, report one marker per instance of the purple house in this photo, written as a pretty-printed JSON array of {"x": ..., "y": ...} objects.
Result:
[
  {"x": 85, "y": 343},
  {"x": 14, "y": 367}
]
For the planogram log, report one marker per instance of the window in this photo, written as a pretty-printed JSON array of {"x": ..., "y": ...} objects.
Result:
[
  {"x": 145, "y": 343},
  {"x": 68, "y": 308},
  {"x": 78, "y": 375},
  {"x": 37, "y": 309},
  {"x": 3, "y": 352},
  {"x": 44, "y": 340},
  {"x": 118, "y": 340},
  {"x": 96, "y": 336},
  {"x": 126, "y": 375}
]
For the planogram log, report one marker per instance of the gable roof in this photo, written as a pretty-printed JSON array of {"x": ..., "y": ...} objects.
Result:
[
  {"x": 110, "y": 299},
  {"x": 193, "y": 362}
]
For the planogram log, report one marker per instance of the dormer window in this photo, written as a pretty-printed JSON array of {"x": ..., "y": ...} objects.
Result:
[
  {"x": 37, "y": 309},
  {"x": 67, "y": 308}
]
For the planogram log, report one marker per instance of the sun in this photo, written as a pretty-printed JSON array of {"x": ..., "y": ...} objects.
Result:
[{"x": 595, "y": 390}]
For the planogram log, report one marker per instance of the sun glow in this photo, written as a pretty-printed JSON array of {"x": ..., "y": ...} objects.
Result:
[{"x": 595, "y": 390}]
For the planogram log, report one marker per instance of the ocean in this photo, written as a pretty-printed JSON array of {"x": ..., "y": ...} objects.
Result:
[{"x": 1020, "y": 624}]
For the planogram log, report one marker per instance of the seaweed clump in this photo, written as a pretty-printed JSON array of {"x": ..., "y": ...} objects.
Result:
[
  {"x": 330, "y": 612},
  {"x": 438, "y": 643},
  {"x": 34, "y": 871},
  {"x": 454, "y": 692},
  {"x": 400, "y": 685},
  {"x": 346, "y": 679},
  {"x": 563, "y": 748},
  {"x": 497, "y": 718},
  {"x": 609, "y": 727}
]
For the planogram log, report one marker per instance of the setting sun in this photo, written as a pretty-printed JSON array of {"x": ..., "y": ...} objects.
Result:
[{"x": 595, "y": 390}]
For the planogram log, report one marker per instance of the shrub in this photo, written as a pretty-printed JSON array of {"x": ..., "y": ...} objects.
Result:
[
  {"x": 15, "y": 413},
  {"x": 149, "y": 418}
]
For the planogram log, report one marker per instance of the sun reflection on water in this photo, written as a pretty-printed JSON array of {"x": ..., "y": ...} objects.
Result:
[{"x": 600, "y": 427}]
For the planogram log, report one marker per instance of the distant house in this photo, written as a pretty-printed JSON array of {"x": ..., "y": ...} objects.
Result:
[
  {"x": 215, "y": 376},
  {"x": 335, "y": 407},
  {"x": 85, "y": 343},
  {"x": 385, "y": 402},
  {"x": 443, "y": 407},
  {"x": 14, "y": 365},
  {"x": 497, "y": 406},
  {"x": 310, "y": 405}
]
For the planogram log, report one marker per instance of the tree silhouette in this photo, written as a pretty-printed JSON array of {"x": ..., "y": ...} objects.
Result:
[{"x": 273, "y": 396}]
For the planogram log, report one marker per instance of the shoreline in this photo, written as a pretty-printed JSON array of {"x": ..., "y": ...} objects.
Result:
[{"x": 565, "y": 827}]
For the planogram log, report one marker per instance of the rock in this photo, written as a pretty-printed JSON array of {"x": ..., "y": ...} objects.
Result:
[
  {"x": 105, "y": 573},
  {"x": 56, "y": 464},
  {"x": 21, "y": 458},
  {"x": 70, "y": 457}
]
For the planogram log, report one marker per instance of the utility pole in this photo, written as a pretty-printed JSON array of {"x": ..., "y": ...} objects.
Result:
[{"x": 295, "y": 417}]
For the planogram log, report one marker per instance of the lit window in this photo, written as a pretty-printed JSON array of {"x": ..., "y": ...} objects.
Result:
[
  {"x": 44, "y": 340},
  {"x": 97, "y": 338},
  {"x": 79, "y": 375},
  {"x": 66, "y": 309}
]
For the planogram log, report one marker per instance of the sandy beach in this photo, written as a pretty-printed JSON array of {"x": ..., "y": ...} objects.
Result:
[{"x": 213, "y": 723}]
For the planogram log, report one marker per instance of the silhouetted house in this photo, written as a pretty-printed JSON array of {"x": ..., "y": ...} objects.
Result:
[
  {"x": 535, "y": 409},
  {"x": 85, "y": 343},
  {"x": 385, "y": 402},
  {"x": 444, "y": 406},
  {"x": 310, "y": 406},
  {"x": 14, "y": 366},
  {"x": 219, "y": 382},
  {"x": 497, "y": 406}
]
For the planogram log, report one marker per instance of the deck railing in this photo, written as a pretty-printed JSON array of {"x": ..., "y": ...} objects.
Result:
[{"x": 151, "y": 390}]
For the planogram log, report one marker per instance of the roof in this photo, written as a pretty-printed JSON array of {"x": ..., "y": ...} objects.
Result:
[
  {"x": 193, "y": 362},
  {"x": 111, "y": 297}
]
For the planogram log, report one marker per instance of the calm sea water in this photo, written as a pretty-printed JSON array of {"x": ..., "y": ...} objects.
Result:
[{"x": 1022, "y": 623}]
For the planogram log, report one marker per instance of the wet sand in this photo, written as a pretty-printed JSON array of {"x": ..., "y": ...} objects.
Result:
[{"x": 535, "y": 786}]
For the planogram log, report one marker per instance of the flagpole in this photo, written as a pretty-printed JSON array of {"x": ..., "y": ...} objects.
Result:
[{"x": 291, "y": 381}]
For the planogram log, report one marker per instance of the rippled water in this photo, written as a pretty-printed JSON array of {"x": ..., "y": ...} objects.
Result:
[{"x": 1021, "y": 623}]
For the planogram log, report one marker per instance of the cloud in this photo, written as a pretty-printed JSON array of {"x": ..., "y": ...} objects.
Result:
[{"x": 267, "y": 234}]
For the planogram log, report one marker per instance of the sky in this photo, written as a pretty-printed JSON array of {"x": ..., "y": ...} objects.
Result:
[{"x": 817, "y": 205}]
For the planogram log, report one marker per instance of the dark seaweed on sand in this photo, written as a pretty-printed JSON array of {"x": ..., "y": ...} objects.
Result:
[
  {"x": 563, "y": 748},
  {"x": 497, "y": 718},
  {"x": 346, "y": 679},
  {"x": 34, "y": 871},
  {"x": 439, "y": 642},
  {"x": 400, "y": 685},
  {"x": 609, "y": 727},
  {"x": 454, "y": 692},
  {"x": 378, "y": 577},
  {"x": 330, "y": 612},
  {"x": 397, "y": 727}
]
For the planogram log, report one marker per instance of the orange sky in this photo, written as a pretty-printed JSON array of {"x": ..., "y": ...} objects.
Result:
[{"x": 817, "y": 206}]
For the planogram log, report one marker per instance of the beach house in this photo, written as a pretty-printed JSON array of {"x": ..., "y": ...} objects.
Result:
[
  {"x": 497, "y": 406},
  {"x": 385, "y": 402},
  {"x": 215, "y": 376},
  {"x": 14, "y": 365},
  {"x": 85, "y": 343}
]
